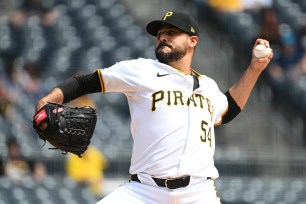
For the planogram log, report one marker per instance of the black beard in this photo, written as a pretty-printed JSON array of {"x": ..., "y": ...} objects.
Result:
[{"x": 172, "y": 56}]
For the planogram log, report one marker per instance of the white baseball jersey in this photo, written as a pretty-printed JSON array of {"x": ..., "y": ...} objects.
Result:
[{"x": 172, "y": 126}]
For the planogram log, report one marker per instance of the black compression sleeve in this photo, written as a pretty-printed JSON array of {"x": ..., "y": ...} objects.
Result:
[
  {"x": 80, "y": 85},
  {"x": 233, "y": 109}
]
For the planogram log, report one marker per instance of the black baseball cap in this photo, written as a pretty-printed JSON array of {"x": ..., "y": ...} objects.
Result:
[{"x": 176, "y": 19}]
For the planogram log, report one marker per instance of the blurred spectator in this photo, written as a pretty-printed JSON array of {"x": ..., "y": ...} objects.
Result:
[
  {"x": 30, "y": 81},
  {"x": 89, "y": 169},
  {"x": 226, "y": 5},
  {"x": 9, "y": 76},
  {"x": 294, "y": 89},
  {"x": 291, "y": 50},
  {"x": 5, "y": 100},
  {"x": 284, "y": 63},
  {"x": 31, "y": 6},
  {"x": 10, "y": 91},
  {"x": 302, "y": 37},
  {"x": 299, "y": 71},
  {"x": 269, "y": 28},
  {"x": 16, "y": 167},
  {"x": 48, "y": 23},
  {"x": 255, "y": 6},
  {"x": 17, "y": 38},
  {"x": 49, "y": 17},
  {"x": 39, "y": 172},
  {"x": 297, "y": 87}
]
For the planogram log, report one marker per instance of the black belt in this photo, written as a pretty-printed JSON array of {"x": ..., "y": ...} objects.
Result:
[{"x": 168, "y": 183}]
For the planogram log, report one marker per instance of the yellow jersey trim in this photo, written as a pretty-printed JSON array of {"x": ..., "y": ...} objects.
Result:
[
  {"x": 101, "y": 80},
  {"x": 196, "y": 73},
  {"x": 192, "y": 70},
  {"x": 219, "y": 123}
]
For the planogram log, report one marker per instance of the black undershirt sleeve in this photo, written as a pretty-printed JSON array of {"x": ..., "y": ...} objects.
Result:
[
  {"x": 77, "y": 86},
  {"x": 233, "y": 109}
]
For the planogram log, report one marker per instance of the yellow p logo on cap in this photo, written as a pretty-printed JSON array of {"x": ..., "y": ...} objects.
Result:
[
  {"x": 192, "y": 29},
  {"x": 167, "y": 15}
]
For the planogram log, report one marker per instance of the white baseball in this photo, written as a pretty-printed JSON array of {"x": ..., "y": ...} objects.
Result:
[{"x": 261, "y": 51}]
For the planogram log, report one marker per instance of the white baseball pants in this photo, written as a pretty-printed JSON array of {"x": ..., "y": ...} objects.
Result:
[{"x": 199, "y": 191}]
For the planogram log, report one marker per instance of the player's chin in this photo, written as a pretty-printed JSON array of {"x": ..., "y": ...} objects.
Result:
[
  {"x": 164, "y": 49},
  {"x": 163, "y": 52}
]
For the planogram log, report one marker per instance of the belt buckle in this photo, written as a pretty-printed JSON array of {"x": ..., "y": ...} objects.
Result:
[{"x": 166, "y": 182}]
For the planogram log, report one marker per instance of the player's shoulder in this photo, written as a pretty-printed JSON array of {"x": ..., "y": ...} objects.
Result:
[
  {"x": 208, "y": 80},
  {"x": 134, "y": 63},
  {"x": 138, "y": 61},
  {"x": 146, "y": 62}
]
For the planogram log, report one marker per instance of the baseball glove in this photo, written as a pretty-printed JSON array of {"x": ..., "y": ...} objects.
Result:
[{"x": 68, "y": 129}]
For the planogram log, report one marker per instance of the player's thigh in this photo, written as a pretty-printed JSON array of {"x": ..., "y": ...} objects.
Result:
[
  {"x": 202, "y": 193},
  {"x": 134, "y": 193}
]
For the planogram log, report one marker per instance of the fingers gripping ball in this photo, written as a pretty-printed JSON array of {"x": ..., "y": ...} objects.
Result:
[
  {"x": 68, "y": 129},
  {"x": 261, "y": 51}
]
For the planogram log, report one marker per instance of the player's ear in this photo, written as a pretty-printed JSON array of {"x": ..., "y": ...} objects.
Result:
[{"x": 193, "y": 40}]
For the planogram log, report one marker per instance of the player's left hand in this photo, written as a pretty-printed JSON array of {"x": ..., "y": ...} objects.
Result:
[
  {"x": 260, "y": 64},
  {"x": 68, "y": 129}
]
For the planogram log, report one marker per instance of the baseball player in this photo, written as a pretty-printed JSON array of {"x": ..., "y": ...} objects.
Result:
[{"x": 173, "y": 112}]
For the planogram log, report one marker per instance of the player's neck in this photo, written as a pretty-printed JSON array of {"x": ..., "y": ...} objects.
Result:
[{"x": 182, "y": 65}]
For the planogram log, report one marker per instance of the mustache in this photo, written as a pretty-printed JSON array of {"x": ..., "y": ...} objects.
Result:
[{"x": 163, "y": 44}]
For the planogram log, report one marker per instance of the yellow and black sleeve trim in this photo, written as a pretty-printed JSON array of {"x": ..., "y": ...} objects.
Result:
[{"x": 99, "y": 71}]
